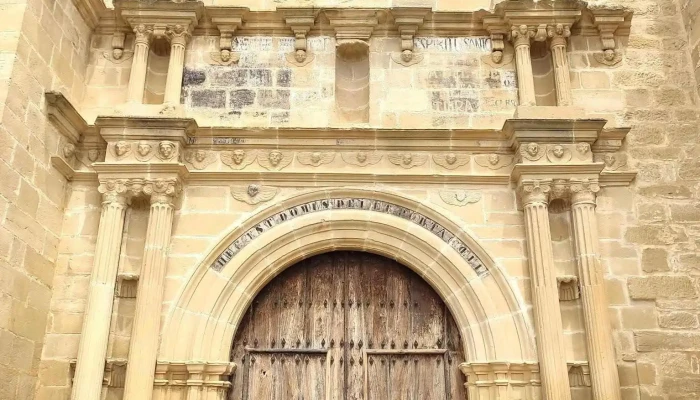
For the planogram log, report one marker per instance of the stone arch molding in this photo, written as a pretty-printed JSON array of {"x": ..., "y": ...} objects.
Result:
[{"x": 494, "y": 326}]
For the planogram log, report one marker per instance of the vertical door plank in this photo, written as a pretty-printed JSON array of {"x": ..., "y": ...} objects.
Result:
[
  {"x": 355, "y": 338},
  {"x": 292, "y": 308},
  {"x": 377, "y": 377},
  {"x": 401, "y": 378},
  {"x": 262, "y": 378}
]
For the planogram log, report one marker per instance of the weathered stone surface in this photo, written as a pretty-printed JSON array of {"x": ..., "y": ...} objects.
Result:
[
  {"x": 655, "y": 234},
  {"x": 678, "y": 320},
  {"x": 674, "y": 341},
  {"x": 653, "y": 287},
  {"x": 208, "y": 98},
  {"x": 655, "y": 260}
]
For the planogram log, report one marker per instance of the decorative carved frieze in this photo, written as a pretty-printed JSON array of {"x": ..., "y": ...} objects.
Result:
[
  {"x": 407, "y": 160},
  {"x": 494, "y": 161},
  {"x": 459, "y": 197},
  {"x": 194, "y": 378},
  {"x": 238, "y": 159},
  {"x": 361, "y": 158},
  {"x": 253, "y": 193},
  {"x": 275, "y": 160},
  {"x": 501, "y": 379},
  {"x": 369, "y": 205},
  {"x": 451, "y": 160},
  {"x": 200, "y": 159},
  {"x": 138, "y": 186},
  {"x": 315, "y": 158}
]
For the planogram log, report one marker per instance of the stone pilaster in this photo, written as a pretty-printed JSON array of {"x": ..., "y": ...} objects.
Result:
[
  {"x": 137, "y": 79},
  {"x": 178, "y": 35},
  {"x": 545, "y": 295},
  {"x": 601, "y": 352},
  {"x": 87, "y": 384},
  {"x": 558, "y": 35},
  {"x": 144, "y": 342},
  {"x": 521, "y": 37}
]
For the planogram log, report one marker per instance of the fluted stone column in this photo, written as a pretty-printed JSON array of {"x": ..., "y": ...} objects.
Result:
[
  {"x": 87, "y": 384},
  {"x": 137, "y": 79},
  {"x": 178, "y": 35},
  {"x": 545, "y": 296},
  {"x": 601, "y": 351},
  {"x": 521, "y": 37},
  {"x": 144, "y": 342},
  {"x": 562, "y": 75}
]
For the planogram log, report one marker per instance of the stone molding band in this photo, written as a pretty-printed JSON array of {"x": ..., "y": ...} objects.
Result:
[{"x": 352, "y": 204}]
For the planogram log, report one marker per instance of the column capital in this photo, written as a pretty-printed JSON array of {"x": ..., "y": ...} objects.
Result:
[
  {"x": 159, "y": 190},
  {"x": 521, "y": 35},
  {"x": 558, "y": 34},
  {"x": 178, "y": 34},
  {"x": 583, "y": 190},
  {"x": 143, "y": 33},
  {"x": 535, "y": 191}
]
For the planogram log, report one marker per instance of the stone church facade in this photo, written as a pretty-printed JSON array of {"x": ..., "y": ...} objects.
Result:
[{"x": 371, "y": 199}]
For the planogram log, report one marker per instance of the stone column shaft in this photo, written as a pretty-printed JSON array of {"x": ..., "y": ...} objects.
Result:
[
  {"x": 545, "y": 296},
  {"x": 87, "y": 384},
  {"x": 137, "y": 79},
  {"x": 562, "y": 75},
  {"x": 523, "y": 66},
  {"x": 173, "y": 83},
  {"x": 144, "y": 342},
  {"x": 601, "y": 351}
]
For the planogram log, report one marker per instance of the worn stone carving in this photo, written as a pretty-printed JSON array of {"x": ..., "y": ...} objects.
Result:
[
  {"x": 238, "y": 159},
  {"x": 253, "y": 194},
  {"x": 166, "y": 150},
  {"x": 407, "y": 160},
  {"x": 224, "y": 57},
  {"x": 361, "y": 158},
  {"x": 612, "y": 161},
  {"x": 134, "y": 187},
  {"x": 494, "y": 161},
  {"x": 69, "y": 151},
  {"x": 609, "y": 57},
  {"x": 127, "y": 286},
  {"x": 532, "y": 151},
  {"x": 408, "y": 21},
  {"x": 568, "y": 287},
  {"x": 498, "y": 59},
  {"x": 459, "y": 197},
  {"x": 351, "y": 204},
  {"x": 583, "y": 149},
  {"x": 315, "y": 158},
  {"x": 93, "y": 155},
  {"x": 300, "y": 21},
  {"x": 144, "y": 151},
  {"x": 275, "y": 160},
  {"x": 407, "y": 58},
  {"x": 451, "y": 160},
  {"x": 121, "y": 150},
  {"x": 558, "y": 154},
  {"x": 299, "y": 57},
  {"x": 199, "y": 158},
  {"x": 579, "y": 374}
]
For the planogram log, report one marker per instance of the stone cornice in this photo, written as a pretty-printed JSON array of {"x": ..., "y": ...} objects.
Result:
[
  {"x": 160, "y": 14},
  {"x": 193, "y": 373},
  {"x": 137, "y": 128},
  {"x": 91, "y": 11},
  {"x": 65, "y": 117}
]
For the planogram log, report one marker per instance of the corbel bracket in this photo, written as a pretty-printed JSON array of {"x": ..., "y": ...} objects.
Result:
[
  {"x": 352, "y": 24},
  {"x": 300, "y": 21},
  {"x": 408, "y": 20},
  {"x": 227, "y": 20},
  {"x": 608, "y": 22}
]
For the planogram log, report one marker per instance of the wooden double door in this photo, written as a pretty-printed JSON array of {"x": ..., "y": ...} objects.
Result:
[{"x": 347, "y": 326}]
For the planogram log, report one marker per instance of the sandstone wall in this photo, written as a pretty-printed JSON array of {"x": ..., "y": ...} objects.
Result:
[
  {"x": 691, "y": 19},
  {"x": 43, "y": 46}
]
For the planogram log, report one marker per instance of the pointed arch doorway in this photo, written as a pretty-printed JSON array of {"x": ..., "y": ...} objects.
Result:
[{"x": 347, "y": 326}]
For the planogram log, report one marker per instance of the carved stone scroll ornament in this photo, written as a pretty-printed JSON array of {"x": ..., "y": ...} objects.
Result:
[
  {"x": 558, "y": 154},
  {"x": 494, "y": 161},
  {"x": 407, "y": 160},
  {"x": 275, "y": 160},
  {"x": 315, "y": 158},
  {"x": 238, "y": 159},
  {"x": 200, "y": 159},
  {"x": 144, "y": 151},
  {"x": 451, "y": 160},
  {"x": 253, "y": 194},
  {"x": 612, "y": 161},
  {"x": 120, "y": 150},
  {"x": 568, "y": 287},
  {"x": 532, "y": 151},
  {"x": 361, "y": 158},
  {"x": 166, "y": 150},
  {"x": 459, "y": 197}
]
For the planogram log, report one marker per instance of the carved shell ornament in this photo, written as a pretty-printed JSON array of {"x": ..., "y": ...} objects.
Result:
[
  {"x": 315, "y": 158},
  {"x": 558, "y": 154},
  {"x": 199, "y": 158},
  {"x": 238, "y": 159},
  {"x": 224, "y": 57},
  {"x": 494, "y": 161},
  {"x": 275, "y": 160},
  {"x": 361, "y": 158},
  {"x": 408, "y": 160},
  {"x": 532, "y": 151},
  {"x": 166, "y": 150},
  {"x": 407, "y": 58},
  {"x": 121, "y": 150},
  {"x": 144, "y": 151},
  {"x": 299, "y": 57},
  {"x": 253, "y": 193},
  {"x": 451, "y": 160},
  {"x": 459, "y": 197}
]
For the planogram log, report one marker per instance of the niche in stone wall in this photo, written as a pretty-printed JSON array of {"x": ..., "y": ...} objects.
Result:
[
  {"x": 352, "y": 81},
  {"x": 157, "y": 71},
  {"x": 543, "y": 73}
]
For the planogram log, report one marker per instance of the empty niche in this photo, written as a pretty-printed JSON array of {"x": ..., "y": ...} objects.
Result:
[
  {"x": 352, "y": 81},
  {"x": 157, "y": 71},
  {"x": 543, "y": 74}
]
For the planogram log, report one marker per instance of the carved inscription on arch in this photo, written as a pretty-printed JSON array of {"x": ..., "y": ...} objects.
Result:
[{"x": 351, "y": 204}]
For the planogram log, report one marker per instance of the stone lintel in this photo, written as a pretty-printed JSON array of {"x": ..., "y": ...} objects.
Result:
[
  {"x": 521, "y": 131},
  {"x": 352, "y": 23},
  {"x": 145, "y": 128},
  {"x": 160, "y": 14},
  {"x": 65, "y": 117},
  {"x": 143, "y": 171},
  {"x": 525, "y": 172}
]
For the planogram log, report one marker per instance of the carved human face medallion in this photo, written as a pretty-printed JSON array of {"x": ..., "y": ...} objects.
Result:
[
  {"x": 238, "y": 156},
  {"x": 583, "y": 148},
  {"x": 121, "y": 148},
  {"x": 300, "y": 55},
  {"x": 494, "y": 159},
  {"x": 497, "y": 56},
  {"x": 407, "y": 55},
  {"x": 609, "y": 159},
  {"x": 225, "y": 55},
  {"x": 407, "y": 159},
  {"x": 200, "y": 155},
  {"x": 316, "y": 157},
  {"x": 253, "y": 190},
  {"x": 532, "y": 149},
  {"x": 451, "y": 158},
  {"x": 117, "y": 53},
  {"x": 275, "y": 157},
  {"x": 609, "y": 54},
  {"x": 558, "y": 151},
  {"x": 93, "y": 154},
  {"x": 69, "y": 150},
  {"x": 361, "y": 156},
  {"x": 166, "y": 150},
  {"x": 143, "y": 148}
]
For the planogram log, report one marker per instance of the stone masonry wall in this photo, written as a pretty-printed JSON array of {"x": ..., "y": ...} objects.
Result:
[
  {"x": 43, "y": 46},
  {"x": 691, "y": 20}
]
